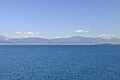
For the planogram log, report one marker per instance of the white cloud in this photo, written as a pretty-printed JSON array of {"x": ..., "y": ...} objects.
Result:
[
  {"x": 57, "y": 37},
  {"x": 81, "y": 31},
  {"x": 107, "y": 35},
  {"x": 27, "y": 33},
  {"x": 18, "y": 33}
]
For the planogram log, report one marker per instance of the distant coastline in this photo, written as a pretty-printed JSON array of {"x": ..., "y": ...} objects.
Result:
[{"x": 109, "y": 44}]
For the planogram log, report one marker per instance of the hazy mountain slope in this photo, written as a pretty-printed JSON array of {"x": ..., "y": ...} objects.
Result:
[
  {"x": 75, "y": 40},
  {"x": 35, "y": 41},
  {"x": 3, "y": 40}
]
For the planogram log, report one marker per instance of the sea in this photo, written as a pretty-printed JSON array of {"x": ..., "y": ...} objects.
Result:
[{"x": 55, "y": 62}]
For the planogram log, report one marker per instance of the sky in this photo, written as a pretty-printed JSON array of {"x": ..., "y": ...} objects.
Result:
[{"x": 60, "y": 18}]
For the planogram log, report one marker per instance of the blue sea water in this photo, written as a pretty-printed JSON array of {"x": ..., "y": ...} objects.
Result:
[{"x": 59, "y": 62}]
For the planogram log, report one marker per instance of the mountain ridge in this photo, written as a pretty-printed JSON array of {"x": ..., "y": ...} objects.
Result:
[{"x": 74, "y": 40}]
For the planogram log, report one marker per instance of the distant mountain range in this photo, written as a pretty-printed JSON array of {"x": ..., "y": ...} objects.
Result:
[{"x": 75, "y": 40}]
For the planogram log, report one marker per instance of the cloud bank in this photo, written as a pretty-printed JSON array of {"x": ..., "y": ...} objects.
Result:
[
  {"x": 27, "y": 33},
  {"x": 82, "y": 31},
  {"x": 107, "y": 35}
]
